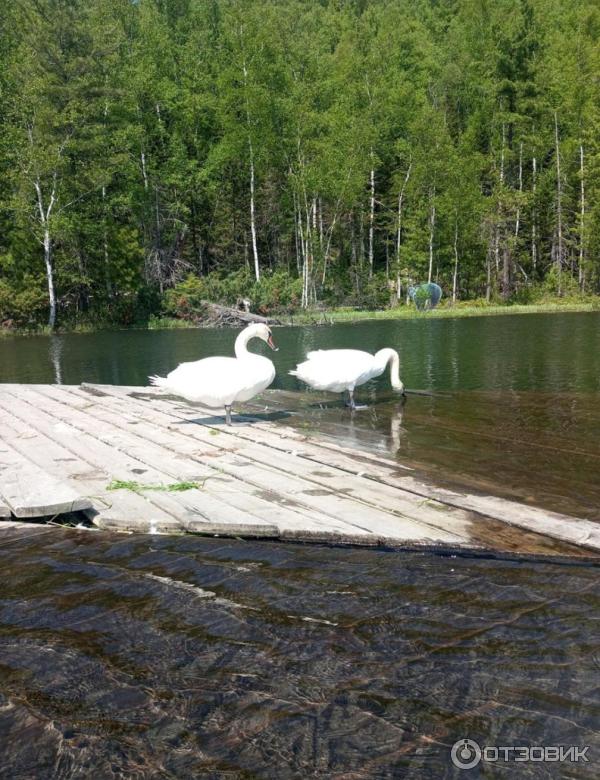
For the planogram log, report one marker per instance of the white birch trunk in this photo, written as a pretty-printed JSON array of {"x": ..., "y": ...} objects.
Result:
[
  {"x": 50, "y": 277},
  {"x": 252, "y": 195},
  {"x": 144, "y": 171},
  {"x": 431, "y": 235},
  {"x": 107, "y": 276},
  {"x": 559, "y": 225},
  {"x": 252, "y": 214},
  {"x": 399, "y": 232},
  {"x": 297, "y": 235},
  {"x": 581, "y": 223},
  {"x": 455, "y": 274},
  {"x": 498, "y": 219},
  {"x": 371, "y": 218},
  {"x": 321, "y": 224},
  {"x": 534, "y": 218},
  {"x": 518, "y": 217},
  {"x": 45, "y": 214}
]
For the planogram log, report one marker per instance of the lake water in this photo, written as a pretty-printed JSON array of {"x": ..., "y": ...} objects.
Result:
[{"x": 180, "y": 657}]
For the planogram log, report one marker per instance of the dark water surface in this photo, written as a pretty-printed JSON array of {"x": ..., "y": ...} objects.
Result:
[
  {"x": 184, "y": 657},
  {"x": 181, "y": 657}
]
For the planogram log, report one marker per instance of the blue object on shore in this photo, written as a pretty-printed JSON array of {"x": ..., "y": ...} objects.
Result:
[{"x": 425, "y": 296}]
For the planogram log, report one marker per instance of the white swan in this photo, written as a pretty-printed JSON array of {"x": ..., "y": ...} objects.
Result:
[
  {"x": 337, "y": 370},
  {"x": 219, "y": 382}
]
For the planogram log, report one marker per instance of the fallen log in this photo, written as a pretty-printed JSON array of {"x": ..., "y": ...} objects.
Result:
[{"x": 216, "y": 316}]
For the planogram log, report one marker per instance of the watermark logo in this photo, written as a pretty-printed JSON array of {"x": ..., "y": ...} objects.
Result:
[{"x": 466, "y": 753}]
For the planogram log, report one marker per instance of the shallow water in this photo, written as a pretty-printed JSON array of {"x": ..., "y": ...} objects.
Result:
[{"x": 182, "y": 657}]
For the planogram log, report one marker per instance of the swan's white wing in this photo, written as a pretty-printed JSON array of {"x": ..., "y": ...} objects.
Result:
[
  {"x": 335, "y": 369},
  {"x": 220, "y": 381},
  {"x": 213, "y": 381}
]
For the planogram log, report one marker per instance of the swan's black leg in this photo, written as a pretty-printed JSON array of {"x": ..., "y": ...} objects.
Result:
[
  {"x": 349, "y": 402},
  {"x": 228, "y": 415},
  {"x": 353, "y": 405}
]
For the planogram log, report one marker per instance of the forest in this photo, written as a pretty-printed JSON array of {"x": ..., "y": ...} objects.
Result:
[{"x": 294, "y": 153}]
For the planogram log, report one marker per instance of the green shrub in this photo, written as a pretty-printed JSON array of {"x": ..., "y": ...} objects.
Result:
[
  {"x": 25, "y": 305},
  {"x": 276, "y": 292},
  {"x": 185, "y": 299}
]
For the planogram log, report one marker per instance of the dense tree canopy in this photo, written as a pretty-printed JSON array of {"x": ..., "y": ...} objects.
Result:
[{"x": 314, "y": 151}]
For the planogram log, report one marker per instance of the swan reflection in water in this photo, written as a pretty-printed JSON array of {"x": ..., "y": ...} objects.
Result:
[{"x": 379, "y": 428}]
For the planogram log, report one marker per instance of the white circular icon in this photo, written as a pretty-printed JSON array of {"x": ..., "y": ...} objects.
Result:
[{"x": 465, "y": 754}]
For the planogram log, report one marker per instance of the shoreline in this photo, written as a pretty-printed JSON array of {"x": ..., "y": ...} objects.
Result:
[{"x": 331, "y": 317}]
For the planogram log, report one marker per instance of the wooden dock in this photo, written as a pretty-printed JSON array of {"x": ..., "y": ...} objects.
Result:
[{"x": 63, "y": 448}]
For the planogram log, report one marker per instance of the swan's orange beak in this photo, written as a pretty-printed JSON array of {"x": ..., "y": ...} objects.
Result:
[{"x": 271, "y": 343}]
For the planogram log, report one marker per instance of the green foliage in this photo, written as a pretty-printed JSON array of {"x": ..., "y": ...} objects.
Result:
[
  {"x": 148, "y": 143},
  {"x": 275, "y": 292},
  {"x": 23, "y": 305}
]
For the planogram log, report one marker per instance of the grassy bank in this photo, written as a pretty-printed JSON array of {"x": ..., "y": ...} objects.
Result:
[
  {"x": 329, "y": 316},
  {"x": 459, "y": 310}
]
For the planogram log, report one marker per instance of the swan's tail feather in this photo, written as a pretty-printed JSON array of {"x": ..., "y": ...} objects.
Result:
[{"x": 158, "y": 381}]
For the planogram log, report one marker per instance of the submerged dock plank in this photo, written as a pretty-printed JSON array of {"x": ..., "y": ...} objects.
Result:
[{"x": 256, "y": 478}]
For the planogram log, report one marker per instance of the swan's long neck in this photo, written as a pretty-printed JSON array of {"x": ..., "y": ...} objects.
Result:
[
  {"x": 385, "y": 356},
  {"x": 241, "y": 344}
]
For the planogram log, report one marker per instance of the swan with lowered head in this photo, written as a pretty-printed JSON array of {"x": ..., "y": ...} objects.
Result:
[
  {"x": 337, "y": 370},
  {"x": 220, "y": 382}
]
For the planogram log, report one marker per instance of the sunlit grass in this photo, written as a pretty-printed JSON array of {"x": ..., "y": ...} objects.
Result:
[{"x": 446, "y": 311}]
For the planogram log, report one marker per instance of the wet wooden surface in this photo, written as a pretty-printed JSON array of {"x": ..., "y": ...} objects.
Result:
[{"x": 256, "y": 478}]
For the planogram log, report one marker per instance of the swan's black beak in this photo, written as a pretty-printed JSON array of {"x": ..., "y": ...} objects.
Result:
[{"x": 271, "y": 343}]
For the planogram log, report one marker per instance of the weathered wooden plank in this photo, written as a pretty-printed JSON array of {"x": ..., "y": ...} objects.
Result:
[
  {"x": 162, "y": 508},
  {"x": 556, "y": 525},
  {"x": 267, "y": 470},
  {"x": 274, "y": 453},
  {"x": 88, "y": 477},
  {"x": 225, "y": 506},
  {"x": 352, "y": 460},
  {"x": 320, "y": 474},
  {"x": 542, "y": 521},
  {"x": 339, "y": 514},
  {"x": 4, "y": 510},
  {"x": 30, "y": 491},
  {"x": 258, "y": 479}
]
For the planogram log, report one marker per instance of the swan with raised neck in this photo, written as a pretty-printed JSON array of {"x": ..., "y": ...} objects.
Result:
[{"x": 219, "y": 382}]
